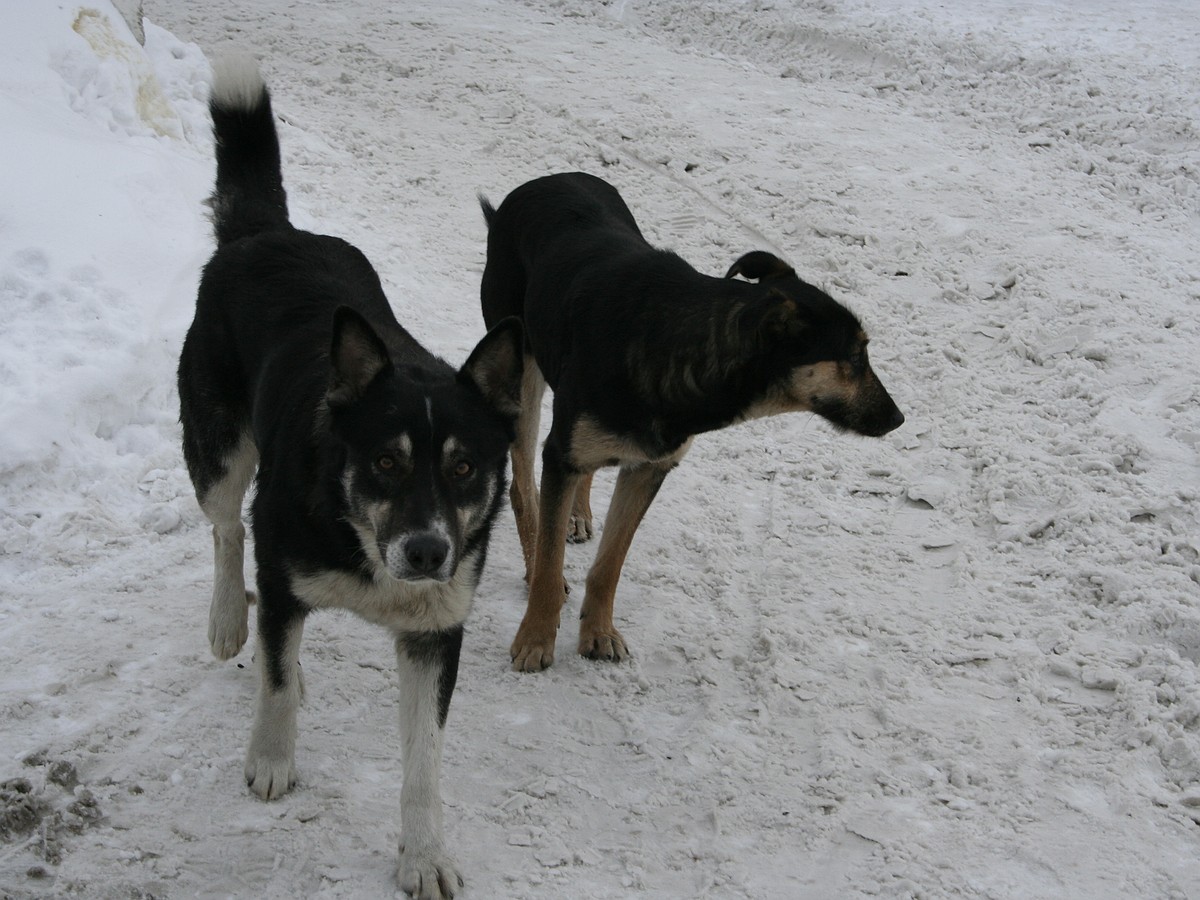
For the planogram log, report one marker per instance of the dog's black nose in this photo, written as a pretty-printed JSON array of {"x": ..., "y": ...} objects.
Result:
[{"x": 426, "y": 552}]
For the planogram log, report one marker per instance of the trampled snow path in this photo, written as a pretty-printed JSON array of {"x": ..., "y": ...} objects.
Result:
[{"x": 958, "y": 662}]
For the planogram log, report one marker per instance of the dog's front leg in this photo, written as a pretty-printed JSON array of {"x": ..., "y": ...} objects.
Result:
[
  {"x": 533, "y": 648},
  {"x": 636, "y": 488},
  {"x": 428, "y": 665},
  {"x": 271, "y": 759}
]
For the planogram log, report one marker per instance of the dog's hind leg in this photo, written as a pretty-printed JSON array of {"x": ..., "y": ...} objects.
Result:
[
  {"x": 222, "y": 503},
  {"x": 221, "y": 459},
  {"x": 524, "y": 492},
  {"x": 533, "y": 647},
  {"x": 635, "y": 490},
  {"x": 270, "y": 761},
  {"x": 580, "y": 528}
]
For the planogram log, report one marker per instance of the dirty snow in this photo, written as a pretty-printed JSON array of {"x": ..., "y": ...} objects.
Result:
[{"x": 960, "y": 661}]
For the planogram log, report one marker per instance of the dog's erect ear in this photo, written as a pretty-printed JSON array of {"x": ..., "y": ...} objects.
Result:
[
  {"x": 357, "y": 356},
  {"x": 497, "y": 364},
  {"x": 759, "y": 264}
]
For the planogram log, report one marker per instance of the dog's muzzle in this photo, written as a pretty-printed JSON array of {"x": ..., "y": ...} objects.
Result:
[{"x": 419, "y": 557}]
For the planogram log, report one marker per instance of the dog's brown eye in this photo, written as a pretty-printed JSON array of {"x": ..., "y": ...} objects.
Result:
[
  {"x": 385, "y": 462},
  {"x": 463, "y": 469}
]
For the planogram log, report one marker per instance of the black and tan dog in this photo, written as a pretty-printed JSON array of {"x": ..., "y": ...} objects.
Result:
[
  {"x": 380, "y": 468},
  {"x": 642, "y": 353}
]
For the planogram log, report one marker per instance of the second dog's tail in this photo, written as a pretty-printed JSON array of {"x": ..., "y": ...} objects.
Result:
[
  {"x": 489, "y": 211},
  {"x": 249, "y": 196}
]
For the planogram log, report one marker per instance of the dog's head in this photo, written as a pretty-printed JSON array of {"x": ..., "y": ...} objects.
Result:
[
  {"x": 818, "y": 350},
  {"x": 422, "y": 450}
]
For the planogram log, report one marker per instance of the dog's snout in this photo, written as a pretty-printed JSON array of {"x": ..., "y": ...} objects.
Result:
[
  {"x": 884, "y": 415},
  {"x": 884, "y": 421},
  {"x": 426, "y": 553}
]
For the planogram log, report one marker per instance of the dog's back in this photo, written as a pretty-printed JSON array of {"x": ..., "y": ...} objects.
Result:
[
  {"x": 559, "y": 220},
  {"x": 567, "y": 204},
  {"x": 566, "y": 256}
]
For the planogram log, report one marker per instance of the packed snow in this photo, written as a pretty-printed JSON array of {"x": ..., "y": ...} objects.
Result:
[{"x": 959, "y": 661}]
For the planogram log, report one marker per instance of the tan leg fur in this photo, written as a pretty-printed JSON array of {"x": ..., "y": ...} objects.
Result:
[{"x": 635, "y": 490}]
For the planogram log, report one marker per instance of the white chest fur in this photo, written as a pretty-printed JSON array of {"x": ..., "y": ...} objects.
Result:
[{"x": 397, "y": 605}]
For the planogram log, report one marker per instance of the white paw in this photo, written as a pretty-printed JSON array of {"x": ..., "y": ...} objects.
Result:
[
  {"x": 428, "y": 875},
  {"x": 269, "y": 777},
  {"x": 229, "y": 623}
]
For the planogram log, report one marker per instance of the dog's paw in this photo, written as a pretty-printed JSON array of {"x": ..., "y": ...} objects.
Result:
[
  {"x": 427, "y": 876},
  {"x": 229, "y": 624},
  {"x": 269, "y": 777},
  {"x": 533, "y": 649},
  {"x": 607, "y": 645},
  {"x": 580, "y": 529}
]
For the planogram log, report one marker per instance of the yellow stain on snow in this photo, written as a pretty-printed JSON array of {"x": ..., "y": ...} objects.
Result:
[{"x": 152, "y": 105}]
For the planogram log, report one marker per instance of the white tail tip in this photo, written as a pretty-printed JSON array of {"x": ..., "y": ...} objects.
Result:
[{"x": 237, "y": 83}]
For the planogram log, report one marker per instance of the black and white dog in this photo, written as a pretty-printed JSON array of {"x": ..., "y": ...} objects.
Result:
[{"x": 380, "y": 469}]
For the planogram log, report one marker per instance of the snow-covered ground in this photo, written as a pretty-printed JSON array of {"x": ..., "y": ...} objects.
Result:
[{"x": 960, "y": 661}]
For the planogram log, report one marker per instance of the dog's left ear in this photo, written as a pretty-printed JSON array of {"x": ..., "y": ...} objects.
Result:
[
  {"x": 357, "y": 356},
  {"x": 497, "y": 364},
  {"x": 759, "y": 264}
]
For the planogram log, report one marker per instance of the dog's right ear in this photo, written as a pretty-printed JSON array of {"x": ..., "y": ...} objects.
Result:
[
  {"x": 759, "y": 264},
  {"x": 357, "y": 356},
  {"x": 497, "y": 364}
]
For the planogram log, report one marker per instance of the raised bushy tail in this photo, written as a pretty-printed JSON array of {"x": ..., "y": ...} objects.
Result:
[{"x": 249, "y": 196}]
